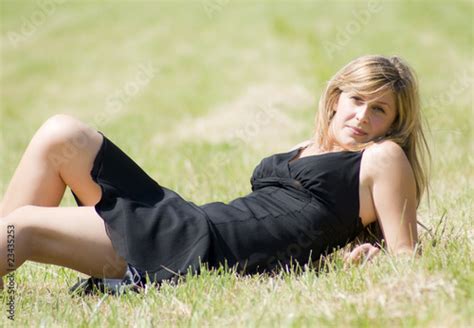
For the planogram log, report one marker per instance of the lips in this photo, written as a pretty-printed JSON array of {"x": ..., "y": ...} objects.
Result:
[{"x": 357, "y": 131}]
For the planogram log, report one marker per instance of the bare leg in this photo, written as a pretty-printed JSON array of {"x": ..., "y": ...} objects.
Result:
[
  {"x": 60, "y": 153},
  {"x": 72, "y": 237}
]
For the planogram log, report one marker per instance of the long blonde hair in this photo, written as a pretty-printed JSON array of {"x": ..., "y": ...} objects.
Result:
[{"x": 370, "y": 75}]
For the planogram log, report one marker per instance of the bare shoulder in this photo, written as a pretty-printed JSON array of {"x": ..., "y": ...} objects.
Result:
[
  {"x": 385, "y": 158},
  {"x": 382, "y": 149}
]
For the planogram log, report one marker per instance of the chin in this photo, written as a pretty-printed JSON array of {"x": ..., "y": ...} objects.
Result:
[
  {"x": 362, "y": 139},
  {"x": 354, "y": 144}
]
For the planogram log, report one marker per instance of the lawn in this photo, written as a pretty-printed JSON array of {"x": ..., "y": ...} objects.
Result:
[{"x": 197, "y": 93}]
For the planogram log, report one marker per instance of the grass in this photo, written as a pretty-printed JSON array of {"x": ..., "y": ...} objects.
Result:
[{"x": 220, "y": 63}]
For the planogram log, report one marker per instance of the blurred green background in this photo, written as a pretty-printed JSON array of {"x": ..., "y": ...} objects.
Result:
[{"x": 203, "y": 57}]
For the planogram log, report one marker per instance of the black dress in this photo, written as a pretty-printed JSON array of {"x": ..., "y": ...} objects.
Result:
[{"x": 296, "y": 212}]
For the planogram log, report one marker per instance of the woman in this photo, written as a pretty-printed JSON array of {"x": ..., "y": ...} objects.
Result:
[{"x": 362, "y": 167}]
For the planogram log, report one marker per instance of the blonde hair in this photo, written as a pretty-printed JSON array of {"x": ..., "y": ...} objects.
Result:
[{"x": 371, "y": 75}]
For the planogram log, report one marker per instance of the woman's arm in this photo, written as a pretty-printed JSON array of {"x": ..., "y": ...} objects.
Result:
[{"x": 393, "y": 190}]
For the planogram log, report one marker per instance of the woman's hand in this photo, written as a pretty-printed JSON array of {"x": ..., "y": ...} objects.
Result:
[{"x": 362, "y": 253}]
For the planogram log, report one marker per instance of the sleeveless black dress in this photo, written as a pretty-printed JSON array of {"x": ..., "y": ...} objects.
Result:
[{"x": 297, "y": 211}]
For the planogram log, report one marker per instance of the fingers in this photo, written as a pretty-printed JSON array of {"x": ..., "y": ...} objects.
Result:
[
  {"x": 372, "y": 253},
  {"x": 357, "y": 252},
  {"x": 365, "y": 251}
]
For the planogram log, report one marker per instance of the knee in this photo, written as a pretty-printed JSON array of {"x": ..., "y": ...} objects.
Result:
[
  {"x": 62, "y": 136},
  {"x": 60, "y": 129}
]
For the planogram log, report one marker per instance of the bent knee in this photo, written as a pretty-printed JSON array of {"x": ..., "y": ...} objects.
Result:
[
  {"x": 60, "y": 129},
  {"x": 65, "y": 136}
]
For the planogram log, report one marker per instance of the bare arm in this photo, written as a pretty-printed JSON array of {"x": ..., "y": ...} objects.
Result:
[
  {"x": 392, "y": 186},
  {"x": 393, "y": 192}
]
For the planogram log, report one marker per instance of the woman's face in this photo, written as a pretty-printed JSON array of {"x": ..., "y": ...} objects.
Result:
[{"x": 360, "y": 120}]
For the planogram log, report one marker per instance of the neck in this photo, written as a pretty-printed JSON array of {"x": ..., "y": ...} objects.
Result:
[
  {"x": 314, "y": 148},
  {"x": 331, "y": 146}
]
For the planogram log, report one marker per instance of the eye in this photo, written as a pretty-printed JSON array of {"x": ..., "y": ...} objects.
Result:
[{"x": 379, "y": 110}]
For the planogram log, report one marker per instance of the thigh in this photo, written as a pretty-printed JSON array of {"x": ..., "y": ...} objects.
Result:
[
  {"x": 73, "y": 237},
  {"x": 77, "y": 155}
]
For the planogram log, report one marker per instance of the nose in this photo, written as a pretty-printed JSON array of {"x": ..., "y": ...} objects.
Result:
[{"x": 362, "y": 113}]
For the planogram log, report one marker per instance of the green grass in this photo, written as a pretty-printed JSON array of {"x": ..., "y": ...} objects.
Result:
[{"x": 219, "y": 63}]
